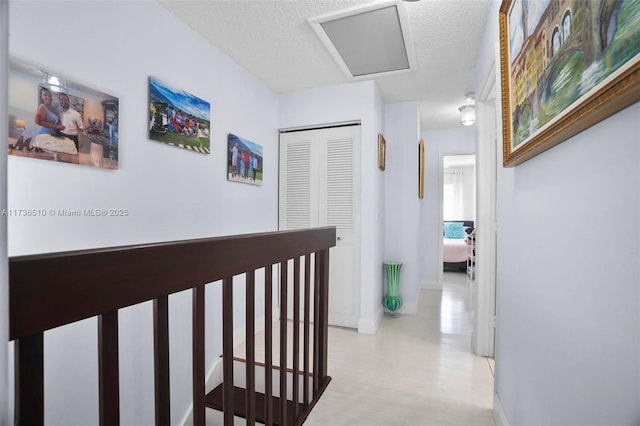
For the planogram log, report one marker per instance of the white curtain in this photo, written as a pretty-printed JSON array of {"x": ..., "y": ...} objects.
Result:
[{"x": 452, "y": 197}]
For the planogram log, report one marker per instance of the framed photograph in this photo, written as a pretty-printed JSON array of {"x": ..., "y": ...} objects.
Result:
[
  {"x": 56, "y": 119},
  {"x": 382, "y": 151},
  {"x": 421, "y": 169},
  {"x": 565, "y": 65},
  {"x": 244, "y": 161},
  {"x": 178, "y": 118}
]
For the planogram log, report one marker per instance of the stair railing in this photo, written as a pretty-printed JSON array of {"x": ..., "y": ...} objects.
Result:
[{"x": 52, "y": 290}]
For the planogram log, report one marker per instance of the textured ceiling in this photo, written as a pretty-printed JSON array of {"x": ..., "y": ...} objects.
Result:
[{"x": 273, "y": 40}]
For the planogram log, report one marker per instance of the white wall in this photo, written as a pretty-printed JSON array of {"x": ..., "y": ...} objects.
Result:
[
  {"x": 402, "y": 133},
  {"x": 437, "y": 143},
  {"x": 568, "y": 302},
  {"x": 4, "y": 270},
  {"x": 170, "y": 193},
  {"x": 348, "y": 102}
]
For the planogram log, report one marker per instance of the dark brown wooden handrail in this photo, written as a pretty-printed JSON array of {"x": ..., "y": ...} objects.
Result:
[
  {"x": 91, "y": 282},
  {"x": 67, "y": 287}
]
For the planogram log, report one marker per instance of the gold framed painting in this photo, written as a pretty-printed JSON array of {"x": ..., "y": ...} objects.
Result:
[
  {"x": 421, "y": 169},
  {"x": 564, "y": 66},
  {"x": 382, "y": 151}
]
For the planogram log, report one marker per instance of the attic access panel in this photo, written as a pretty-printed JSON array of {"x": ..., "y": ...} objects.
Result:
[{"x": 368, "y": 41}]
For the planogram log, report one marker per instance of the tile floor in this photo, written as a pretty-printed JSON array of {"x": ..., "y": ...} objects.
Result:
[{"x": 416, "y": 371}]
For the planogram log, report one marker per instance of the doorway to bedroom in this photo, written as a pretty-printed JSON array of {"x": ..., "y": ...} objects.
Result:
[{"x": 458, "y": 212}]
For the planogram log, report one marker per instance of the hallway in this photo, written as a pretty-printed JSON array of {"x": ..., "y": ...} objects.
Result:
[{"x": 417, "y": 370}]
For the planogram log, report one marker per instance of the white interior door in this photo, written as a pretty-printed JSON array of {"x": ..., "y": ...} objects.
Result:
[{"x": 320, "y": 186}]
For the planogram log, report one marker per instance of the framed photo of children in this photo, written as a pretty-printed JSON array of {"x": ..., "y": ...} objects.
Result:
[
  {"x": 244, "y": 161},
  {"x": 564, "y": 65},
  {"x": 56, "y": 119},
  {"x": 178, "y": 118}
]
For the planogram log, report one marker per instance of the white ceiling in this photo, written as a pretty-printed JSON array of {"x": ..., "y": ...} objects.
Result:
[{"x": 273, "y": 40}]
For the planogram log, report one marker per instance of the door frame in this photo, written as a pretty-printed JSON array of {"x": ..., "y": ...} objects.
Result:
[
  {"x": 487, "y": 154},
  {"x": 6, "y": 410}
]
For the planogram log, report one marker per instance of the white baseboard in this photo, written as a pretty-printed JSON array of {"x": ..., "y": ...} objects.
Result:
[
  {"x": 499, "y": 416},
  {"x": 408, "y": 309},
  {"x": 430, "y": 285},
  {"x": 371, "y": 326},
  {"x": 188, "y": 418}
]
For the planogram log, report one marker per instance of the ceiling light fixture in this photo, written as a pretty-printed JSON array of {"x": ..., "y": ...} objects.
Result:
[
  {"x": 467, "y": 115},
  {"x": 56, "y": 83},
  {"x": 468, "y": 111}
]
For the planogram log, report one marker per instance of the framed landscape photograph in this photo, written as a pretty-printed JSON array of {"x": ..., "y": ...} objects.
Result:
[
  {"x": 564, "y": 65},
  {"x": 57, "y": 119},
  {"x": 178, "y": 118},
  {"x": 244, "y": 161}
]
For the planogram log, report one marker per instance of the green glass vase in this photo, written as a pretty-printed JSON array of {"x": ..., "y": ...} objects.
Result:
[{"x": 393, "y": 301}]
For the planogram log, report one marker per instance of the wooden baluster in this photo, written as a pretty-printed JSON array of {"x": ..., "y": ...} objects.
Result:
[
  {"x": 161, "y": 360},
  {"x": 283, "y": 343},
  {"x": 29, "y": 380},
  {"x": 108, "y": 377},
  {"x": 268, "y": 345},
  {"x": 295, "y": 353},
  {"x": 250, "y": 396},
  {"x": 227, "y": 351},
  {"x": 307, "y": 321},
  {"x": 199, "y": 417},
  {"x": 316, "y": 325},
  {"x": 324, "y": 315}
]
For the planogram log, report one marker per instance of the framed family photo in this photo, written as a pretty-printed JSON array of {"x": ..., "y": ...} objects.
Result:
[
  {"x": 564, "y": 65},
  {"x": 57, "y": 119},
  {"x": 178, "y": 118},
  {"x": 244, "y": 160}
]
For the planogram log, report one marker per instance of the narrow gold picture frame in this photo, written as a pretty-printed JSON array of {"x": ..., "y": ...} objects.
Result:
[
  {"x": 421, "y": 169},
  {"x": 382, "y": 152}
]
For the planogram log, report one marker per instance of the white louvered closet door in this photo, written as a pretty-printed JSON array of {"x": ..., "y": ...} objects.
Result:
[{"x": 319, "y": 186}]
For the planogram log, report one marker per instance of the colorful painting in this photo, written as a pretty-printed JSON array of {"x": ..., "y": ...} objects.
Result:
[
  {"x": 178, "y": 118},
  {"x": 244, "y": 161},
  {"x": 565, "y": 64},
  {"x": 53, "y": 118}
]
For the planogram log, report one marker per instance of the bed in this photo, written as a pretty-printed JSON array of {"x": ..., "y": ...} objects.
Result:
[{"x": 454, "y": 244}]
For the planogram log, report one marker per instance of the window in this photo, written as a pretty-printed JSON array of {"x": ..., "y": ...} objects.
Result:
[
  {"x": 566, "y": 25},
  {"x": 452, "y": 199},
  {"x": 555, "y": 42}
]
